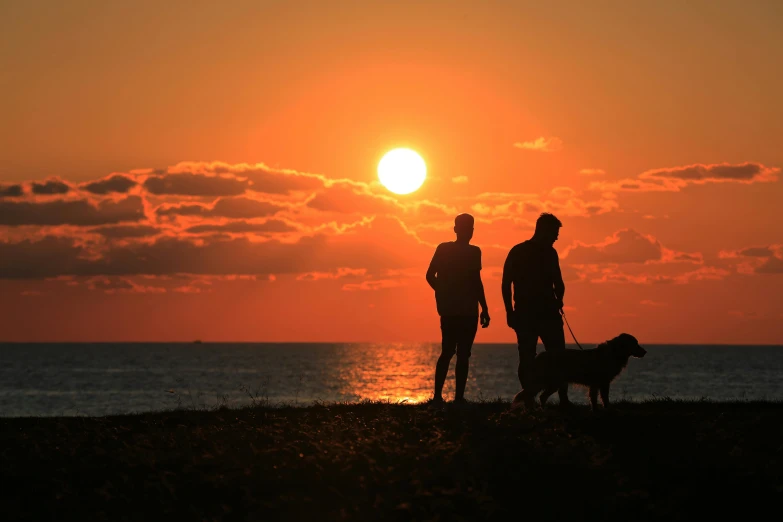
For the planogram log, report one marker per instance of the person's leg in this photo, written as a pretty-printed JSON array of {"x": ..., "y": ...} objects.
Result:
[
  {"x": 448, "y": 347},
  {"x": 467, "y": 334},
  {"x": 527, "y": 338},
  {"x": 553, "y": 338}
]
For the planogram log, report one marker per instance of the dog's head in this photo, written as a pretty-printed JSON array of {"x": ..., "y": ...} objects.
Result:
[{"x": 626, "y": 345}]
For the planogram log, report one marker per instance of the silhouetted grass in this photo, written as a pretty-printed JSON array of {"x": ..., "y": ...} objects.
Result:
[{"x": 660, "y": 459}]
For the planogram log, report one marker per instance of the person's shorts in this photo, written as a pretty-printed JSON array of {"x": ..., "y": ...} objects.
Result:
[{"x": 458, "y": 333}]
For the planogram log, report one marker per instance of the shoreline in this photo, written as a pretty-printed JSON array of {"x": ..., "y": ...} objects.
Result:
[{"x": 658, "y": 459}]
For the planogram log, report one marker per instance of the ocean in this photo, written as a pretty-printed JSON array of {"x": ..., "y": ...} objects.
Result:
[{"x": 106, "y": 379}]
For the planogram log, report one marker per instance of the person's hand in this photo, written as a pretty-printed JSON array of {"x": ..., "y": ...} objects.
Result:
[
  {"x": 560, "y": 305},
  {"x": 484, "y": 319},
  {"x": 510, "y": 319}
]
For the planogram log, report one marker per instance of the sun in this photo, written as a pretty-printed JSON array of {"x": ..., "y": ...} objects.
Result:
[{"x": 402, "y": 171}]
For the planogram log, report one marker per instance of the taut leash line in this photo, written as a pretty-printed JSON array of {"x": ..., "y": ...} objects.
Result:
[{"x": 569, "y": 329}]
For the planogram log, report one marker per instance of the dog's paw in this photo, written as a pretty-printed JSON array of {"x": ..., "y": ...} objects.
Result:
[{"x": 516, "y": 406}]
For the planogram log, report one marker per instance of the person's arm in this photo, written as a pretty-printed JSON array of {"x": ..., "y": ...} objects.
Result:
[
  {"x": 484, "y": 317},
  {"x": 505, "y": 288},
  {"x": 482, "y": 299},
  {"x": 432, "y": 271},
  {"x": 559, "y": 285}
]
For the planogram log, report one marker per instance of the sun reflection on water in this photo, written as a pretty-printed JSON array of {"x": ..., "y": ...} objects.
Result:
[{"x": 389, "y": 372}]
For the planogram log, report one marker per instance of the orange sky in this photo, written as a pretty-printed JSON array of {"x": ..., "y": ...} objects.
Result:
[{"x": 171, "y": 172}]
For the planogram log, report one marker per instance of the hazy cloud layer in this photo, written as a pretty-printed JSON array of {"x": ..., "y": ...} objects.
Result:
[
  {"x": 251, "y": 221},
  {"x": 50, "y": 187},
  {"x": 189, "y": 184},
  {"x": 11, "y": 191},
  {"x": 675, "y": 179},
  {"x": 377, "y": 245},
  {"x": 117, "y": 183},
  {"x": 238, "y": 208},
  {"x": 71, "y": 212},
  {"x": 126, "y": 231},
  {"x": 562, "y": 203},
  {"x": 541, "y": 144},
  {"x": 756, "y": 259},
  {"x": 625, "y": 246},
  {"x": 242, "y": 227}
]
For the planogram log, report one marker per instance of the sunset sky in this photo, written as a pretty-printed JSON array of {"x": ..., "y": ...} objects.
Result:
[{"x": 172, "y": 171}]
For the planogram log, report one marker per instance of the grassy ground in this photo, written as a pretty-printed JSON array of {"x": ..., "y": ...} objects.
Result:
[{"x": 655, "y": 460}]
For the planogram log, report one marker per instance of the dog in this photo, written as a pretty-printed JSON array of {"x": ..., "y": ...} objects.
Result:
[{"x": 594, "y": 368}]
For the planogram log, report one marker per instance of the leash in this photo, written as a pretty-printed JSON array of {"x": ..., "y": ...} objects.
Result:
[{"x": 569, "y": 329}]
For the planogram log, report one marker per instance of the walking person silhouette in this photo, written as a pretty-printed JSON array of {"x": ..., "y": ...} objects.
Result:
[
  {"x": 533, "y": 268},
  {"x": 455, "y": 275}
]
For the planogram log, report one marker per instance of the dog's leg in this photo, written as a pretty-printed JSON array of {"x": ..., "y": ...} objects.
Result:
[
  {"x": 530, "y": 398},
  {"x": 523, "y": 397},
  {"x": 594, "y": 397},
  {"x": 546, "y": 394},
  {"x": 605, "y": 394}
]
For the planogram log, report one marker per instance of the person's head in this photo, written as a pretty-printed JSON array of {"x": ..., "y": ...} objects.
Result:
[
  {"x": 463, "y": 227},
  {"x": 547, "y": 228}
]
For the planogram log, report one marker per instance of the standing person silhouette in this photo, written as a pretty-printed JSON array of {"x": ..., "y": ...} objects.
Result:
[
  {"x": 455, "y": 275},
  {"x": 533, "y": 267}
]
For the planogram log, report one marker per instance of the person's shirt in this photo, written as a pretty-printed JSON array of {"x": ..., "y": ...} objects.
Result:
[
  {"x": 457, "y": 266},
  {"x": 534, "y": 269}
]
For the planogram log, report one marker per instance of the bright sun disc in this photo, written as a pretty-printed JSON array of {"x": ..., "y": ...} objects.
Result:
[{"x": 402, "y": 171}]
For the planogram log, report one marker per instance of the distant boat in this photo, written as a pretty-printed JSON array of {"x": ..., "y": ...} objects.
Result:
[{"x": 197, "y": 341}]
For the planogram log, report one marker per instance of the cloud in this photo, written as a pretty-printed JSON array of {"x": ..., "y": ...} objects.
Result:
[
  {"x": 650, "y": 302},
  {"x": 189, "y": 184},
  {"x": 628, "y": 246},
  {"x": 376, "y": 284},
  {"x": 675, "y": 179},
  {"x": 429, "y": 211},
  {"x": 379, "y": 244},
  {"x": 542, "y": 144},
  {"x": 756, "y": 260},
  {"x": 772, "y": 265},
  {"x": 48, "y": 257},
  {"x": 592, "y": 172},
  {"x": 673, "y": 256},
  {"x": 562, "y": 193},
  {"x": 260, "y": 177},
  {"x": 113, "y": 285},
  {"x": 284, "y": 181},
  {"x": 11, "y": 191},
  {"x": 625, "y": 246},
  {"x": 611, "y": 274},
  {"x": 244, "y": 208},
  {"x": 244, "y": 227},
  {"x": 126, "y": 231},
  {"x": 337, "y": 274},
  {"x": 756, "y": 252},
  {"x": 71, "y": 212},
  {"x": 237, "y": 208},
  {"x": 349, "y": 199},
  {"x": 50, "y": 187},
  {"x": 715, "y": 173},
  {"x": 459, "y": 179},
  {"x": 194, "y": 209},
  {"x": 223, "y": 179},
  {"x": 564, "y": 203},
  {"x": 117, "y": 183}
]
